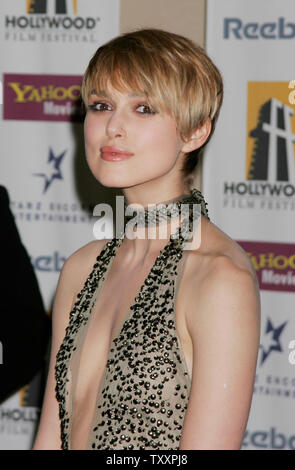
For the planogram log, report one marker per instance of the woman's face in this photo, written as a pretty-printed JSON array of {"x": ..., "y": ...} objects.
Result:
[{"x": 126, "y": 121}]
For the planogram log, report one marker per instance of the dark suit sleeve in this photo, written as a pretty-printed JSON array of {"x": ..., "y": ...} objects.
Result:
[{"x": 25, "y": 327}]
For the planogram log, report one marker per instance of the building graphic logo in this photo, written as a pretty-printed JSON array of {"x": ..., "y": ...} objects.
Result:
[
  {"x": 62, "y": 7},
  {"x": 271, "y": 133},
  {"x": 268, "y": 183},
  {"x": 31, "y": 394}
]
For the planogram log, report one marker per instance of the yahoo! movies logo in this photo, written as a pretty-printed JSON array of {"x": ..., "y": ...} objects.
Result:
[
  {"x": 274, "y": 264},
  {"x": 42, "y": 97}
]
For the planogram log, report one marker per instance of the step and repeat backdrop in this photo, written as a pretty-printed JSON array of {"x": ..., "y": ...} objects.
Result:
[
  {"x": 249, "y": 183},
  {"x": 45, "y": 48},
  {"x": 248, "y": 169}
]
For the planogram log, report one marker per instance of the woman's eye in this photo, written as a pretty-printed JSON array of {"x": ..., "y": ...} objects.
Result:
[
  {"x": 99, "y": 106},
  {"x": 146, "y": 107}
]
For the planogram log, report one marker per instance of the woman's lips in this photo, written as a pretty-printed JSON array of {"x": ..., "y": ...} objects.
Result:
[{"x": 115, "y": 156}]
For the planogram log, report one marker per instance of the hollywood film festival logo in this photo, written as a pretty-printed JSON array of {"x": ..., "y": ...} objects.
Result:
[
  {"x": 269, "y": 183},
  {"x": 270, "y": 155},
  {"x": 21, "y": 418},
  {"x": 51, "y": 21}
]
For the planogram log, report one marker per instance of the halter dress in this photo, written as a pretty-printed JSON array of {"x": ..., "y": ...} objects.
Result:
[{"x": 144, "y": 391}]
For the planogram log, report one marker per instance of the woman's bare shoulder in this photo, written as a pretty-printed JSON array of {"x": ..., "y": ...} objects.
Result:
[
  {"x": 222, "y": 321},
  {"x": 87, "y": 253},
  {"x": 219, "y": 251},
  {"x": 78, "y": 266},
  {"x": 222, "y": 283},
  {"x": 217, "y": 265}
]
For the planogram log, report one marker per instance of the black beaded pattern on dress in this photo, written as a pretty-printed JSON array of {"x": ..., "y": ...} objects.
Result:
[
  {"x": 160, "y": 212},
  {"x": 136, "y": 407}
]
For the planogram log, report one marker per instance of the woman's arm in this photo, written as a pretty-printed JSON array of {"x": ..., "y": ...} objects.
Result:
[
  {"x": 48, "y": 436},
  {"x": 71, "y": 280},
  {"x": 225, "y": 331}
]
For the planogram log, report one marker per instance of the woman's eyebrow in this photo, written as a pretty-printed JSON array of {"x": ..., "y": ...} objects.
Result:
[
  {"x": 99, "y": 93},
  {"x": 105, "y": 94}
]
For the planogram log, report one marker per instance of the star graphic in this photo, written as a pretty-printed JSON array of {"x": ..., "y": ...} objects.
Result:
[
  {"x": 53, "y": 168},
  {"x": 270, "y": 341}
]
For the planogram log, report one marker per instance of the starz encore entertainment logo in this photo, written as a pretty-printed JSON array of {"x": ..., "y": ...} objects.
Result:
[
  {"x": 53, "y": 170},
  {"x": 271, "y": 340}
]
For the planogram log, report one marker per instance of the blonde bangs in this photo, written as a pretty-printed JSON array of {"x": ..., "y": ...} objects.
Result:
[
  {"x": 129, "y": 72},
  {"x": 175, "y": 74}
]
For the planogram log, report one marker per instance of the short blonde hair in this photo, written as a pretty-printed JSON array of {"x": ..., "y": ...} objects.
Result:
[{"x": 174, "y": 73}]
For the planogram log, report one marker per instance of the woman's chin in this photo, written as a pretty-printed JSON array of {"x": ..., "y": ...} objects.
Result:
[{"x": 111, "y": 181}]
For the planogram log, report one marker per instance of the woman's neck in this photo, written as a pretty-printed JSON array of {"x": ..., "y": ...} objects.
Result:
[
  {"x": 147, "y": 196},
  {"x": 150, "y": 224}
]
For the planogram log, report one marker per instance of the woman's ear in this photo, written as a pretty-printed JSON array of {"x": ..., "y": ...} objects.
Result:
[{"x": 198, "y": 137}]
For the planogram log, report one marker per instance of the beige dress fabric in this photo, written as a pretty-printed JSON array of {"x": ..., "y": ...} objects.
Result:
[{"x": 144, "y": 392}]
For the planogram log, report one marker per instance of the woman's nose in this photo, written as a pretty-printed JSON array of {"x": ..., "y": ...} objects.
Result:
[{"x": 115, "y": 125}]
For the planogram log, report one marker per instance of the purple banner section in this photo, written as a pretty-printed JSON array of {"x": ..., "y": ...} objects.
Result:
[
  {"x": 274, "y": 264},
  {"x": 42, "y": 97}
]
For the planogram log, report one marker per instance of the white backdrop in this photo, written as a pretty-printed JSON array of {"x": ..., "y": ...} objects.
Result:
[
  {"x": 43, "y": 56},
  {"x": 249, "y": 183},
  {"x": 45, "y": 47}
]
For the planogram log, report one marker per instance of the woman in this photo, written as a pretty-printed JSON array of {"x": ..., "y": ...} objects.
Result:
[{"x": 175, "y": 368}]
